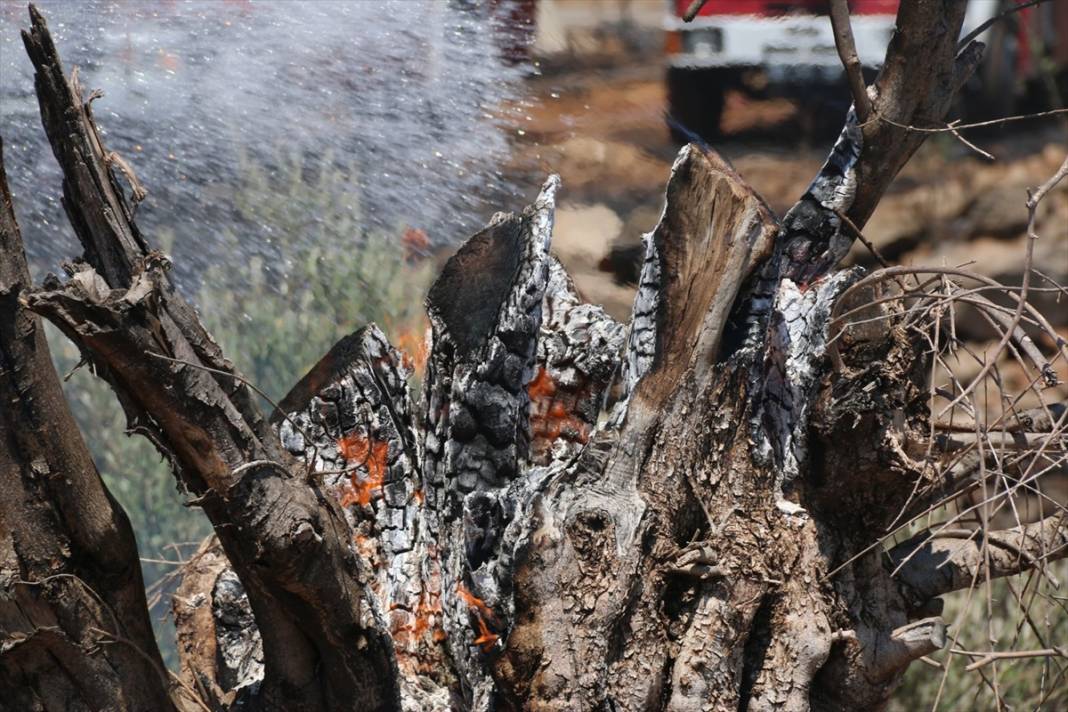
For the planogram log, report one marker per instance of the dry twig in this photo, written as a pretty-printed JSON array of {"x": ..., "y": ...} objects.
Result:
[
  {"x": 692, "y": 10},
  {"x": 847, "y": 52}
]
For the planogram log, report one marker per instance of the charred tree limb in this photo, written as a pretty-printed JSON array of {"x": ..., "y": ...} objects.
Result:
[
  {"x": 847, "y": 51},
  {"x": 477, "y": 403},
  {"x": 324, "y": 645},
  {"x": 69, "y": 565},
  {"x": 97, "y": 209},
  {"x": 714, "y": 232},
  {"x": 350, "y": 419}
]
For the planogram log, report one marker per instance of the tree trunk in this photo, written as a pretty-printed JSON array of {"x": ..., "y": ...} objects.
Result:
[
  {"x": 73, "y": 616},
  {"x": 674, "y": 514}
]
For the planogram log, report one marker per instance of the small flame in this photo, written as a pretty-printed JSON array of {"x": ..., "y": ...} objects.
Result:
[
  {"x": 486, "y": 638},
  {"x": 373, "y": 456},
  {"x": 410, "y": 340}
]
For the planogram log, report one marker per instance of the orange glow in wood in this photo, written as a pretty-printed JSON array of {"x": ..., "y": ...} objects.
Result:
[
  {"x": 551, "y": 415},
  {"x": 373, "y": 456},
  {"x": 486, "y": 638},
  {"x": 473, "y": 601},
  {"x": 542, "y": 386},
  {"x": 426, "y": 618},
  {"x": 411, "y": 342}
]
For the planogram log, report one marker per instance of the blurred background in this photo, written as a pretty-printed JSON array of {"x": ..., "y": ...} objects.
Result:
[{"x": 309, "y": 165}]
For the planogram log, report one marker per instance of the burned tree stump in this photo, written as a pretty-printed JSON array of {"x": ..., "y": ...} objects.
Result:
[{"x": 684, "y": 512}]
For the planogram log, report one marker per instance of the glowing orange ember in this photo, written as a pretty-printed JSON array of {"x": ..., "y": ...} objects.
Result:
[
  {"x": 486, "y": 638},
  {"x": 426, "y": 614},
  {"x": 542, "y": 386},
  {"x": 372, "y": 455},
  {"x": 410, "y": 631},
  {"x": 416, "y": 244},
  {"x": 473, "y": 601},
  {"x": 364, "y": 545},
  {"x": 551, "y": 415}
]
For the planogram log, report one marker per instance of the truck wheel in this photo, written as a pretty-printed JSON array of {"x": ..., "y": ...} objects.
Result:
[{"x": 695, "y": 102}]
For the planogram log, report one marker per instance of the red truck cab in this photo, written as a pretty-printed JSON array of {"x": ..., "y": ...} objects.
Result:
[{"x": 779, "y": 48}]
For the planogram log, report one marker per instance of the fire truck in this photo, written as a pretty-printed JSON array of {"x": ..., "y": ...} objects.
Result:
[{"x": 786, "y": 48}]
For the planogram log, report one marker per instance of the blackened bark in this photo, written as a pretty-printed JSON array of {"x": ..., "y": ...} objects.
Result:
[{"x": 73, "y": 618}]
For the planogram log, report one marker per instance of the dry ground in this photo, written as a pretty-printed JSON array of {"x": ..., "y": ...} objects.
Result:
[{"x": 604, "y": 133}]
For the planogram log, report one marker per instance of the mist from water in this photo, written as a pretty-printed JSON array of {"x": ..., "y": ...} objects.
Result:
[
  {"x": 409, "y": 99},
  {"x": 274, "y": 139}
]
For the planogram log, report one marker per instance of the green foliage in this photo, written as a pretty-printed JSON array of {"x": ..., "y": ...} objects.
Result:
[{"x": 275, "y": 311}]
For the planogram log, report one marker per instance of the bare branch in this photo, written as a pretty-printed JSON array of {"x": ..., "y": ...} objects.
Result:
[
  {"x": 946, "y": 563},
  {"x": 908, "y": 643},
  {"x": 1036, "y": 420},
  {"x": 1033, "y": 199},
  {"x": 1002, "y": 441},
  {"x": 987, "y": 658},
  {"x": 967, "y": 39},
  {"x": 847, "y": 51},
  {"x": 1039, "y": 193},
  {"x": 693, "y": 10},
  {"x": 954, "y": 127}
]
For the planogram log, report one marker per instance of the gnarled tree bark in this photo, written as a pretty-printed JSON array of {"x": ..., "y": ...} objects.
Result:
[
  {"x": 73, "y": 618},
  {"x": 576, "y": 514}
]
